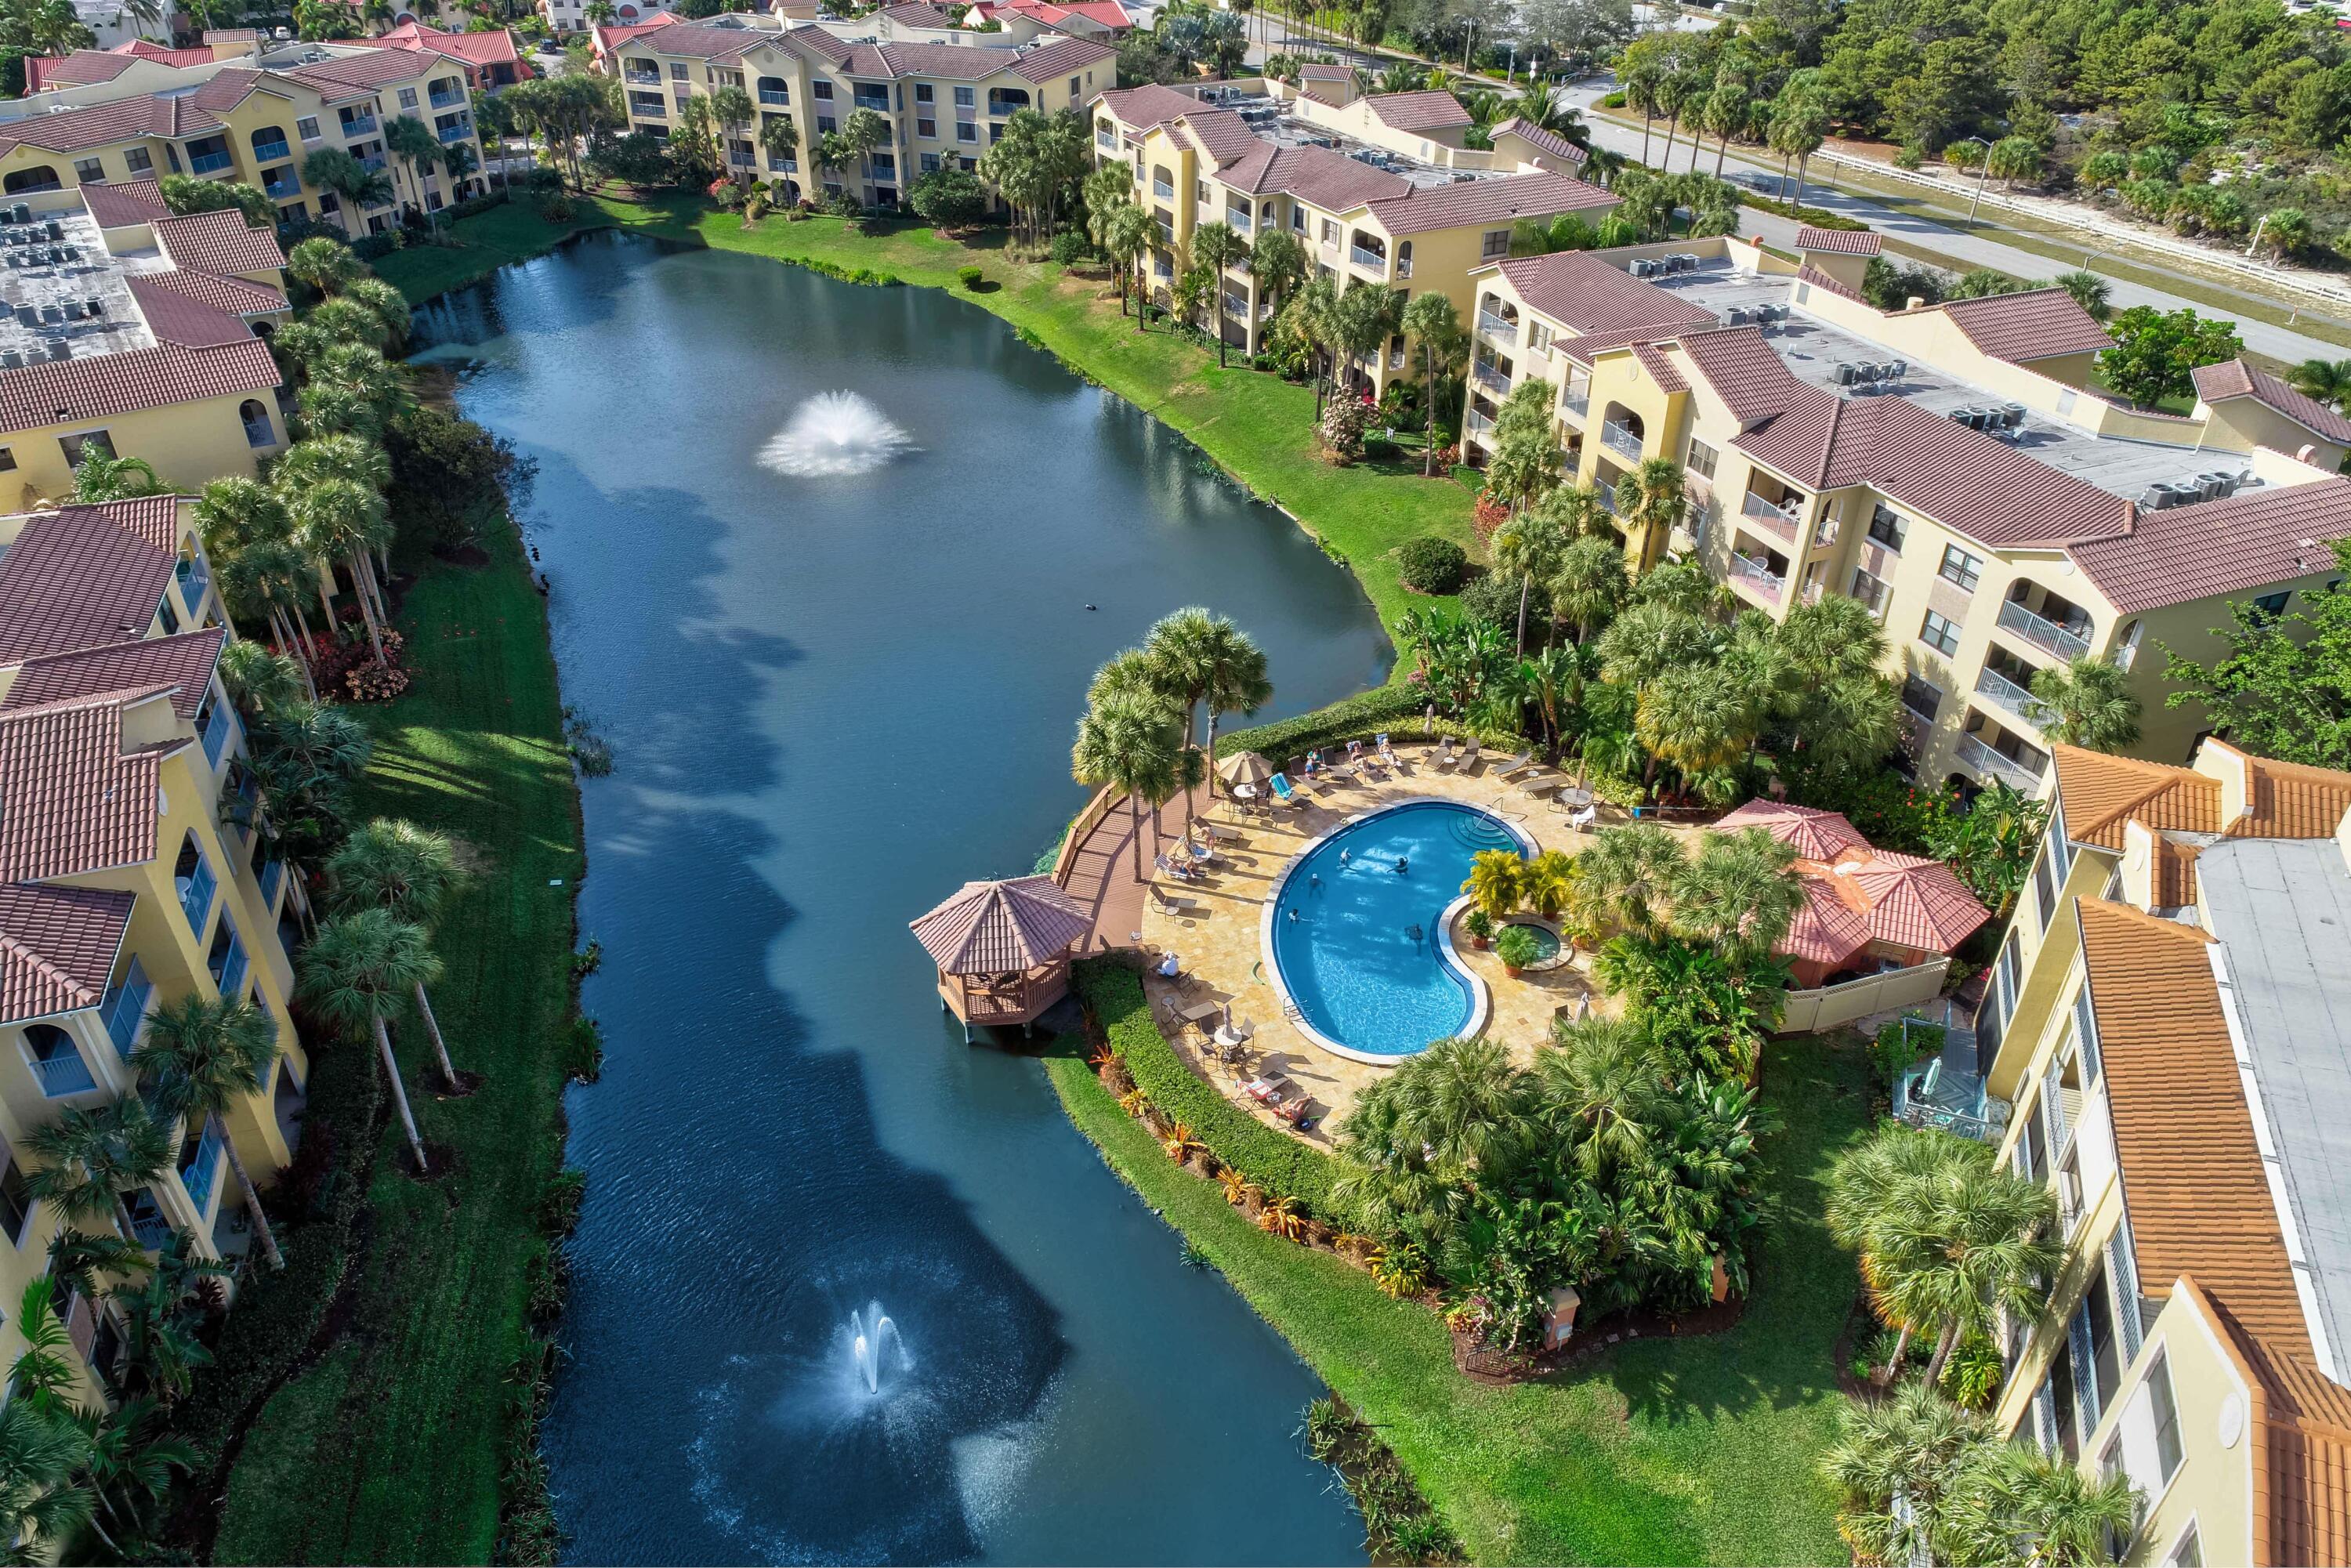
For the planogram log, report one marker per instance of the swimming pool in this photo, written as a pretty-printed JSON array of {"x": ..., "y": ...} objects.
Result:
[{"x": 1360, "y": 950}]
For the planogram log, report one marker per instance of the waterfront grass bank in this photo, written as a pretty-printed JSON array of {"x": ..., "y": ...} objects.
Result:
[
  {"x": 1698, "y": 1450},
  {"x": 398, "y": 1438}
]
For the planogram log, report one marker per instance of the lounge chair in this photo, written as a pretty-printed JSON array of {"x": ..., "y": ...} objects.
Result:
[
  {"x": 1202, "y": 854},
  {"x": 1182, "y": 872},
  {"x": 1445, "y": 756},
  {"x": 1387, "y": 753},
  {"x": 1517, "y": 764},
  {"x": 1177, "y": 902},
  {"x": 1467, "y": 765},
  {"x": 1284, "y": 791},
  {"x": 1222, "y": 835}
]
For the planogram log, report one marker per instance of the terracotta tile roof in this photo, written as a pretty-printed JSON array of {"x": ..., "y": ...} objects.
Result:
[
  {"x": 2247, "y": 540},
  {"x": 2298, "y": 1426},
  {"x": 1058, "y": 60},
  {"x": 2099, "y": 794},
  {"x": 125, "y": 204},
  {"x": 1141, "y": 107},
  {"x": 2289, "y": 799},
  {"x": 2172, "y": 880},
  {"x": 1587, "y": 296},
  {"x": 1744, "y": 370},
  {"x": 1826, "y": 930},
  {"x": 1101, "y": 13},
  {"x": 85, "y": 66},
  {"x": 71, "y": 800},
  {"x": 1814, "y": 834},
  {"x": 907, "y": 14},
  {"x": 1221, "y": 133},
  {"x": 184, "y": 664},
  {"x": 2219, "y": 383},
  {"x": 2040, "y": 324},
  {"x": 1547, "y": 143},
  {"x": 218, "y": 241},
  {"x": 1660, "y": 367},
  {"x": 1432, "y": 110},
  {"x": 1914, "y": 902},
  {"x": 1318, "y": 175},
  {"x": 991, "y": 927},
  {"x": 1487, "y": 202},
  {"x": 341, "y": 76},
  {"x": 1316, "y": 72},
  {"x": 1813, "y": 275},
  {"x": 177, "y": 316},
  {"x": 1961, "y": 477},
  {"x": 86, "y": 576},
  {"x": 2191, "y": 1172},
  {"x": 237, "y": 295},
  {"x": 58, "y": 947},
  {"x": 494, "y": 48},
  {"x": 64, "y": 391},
  {"x": 1840, "y": 242},
  {"x": 79, "y": 130}
]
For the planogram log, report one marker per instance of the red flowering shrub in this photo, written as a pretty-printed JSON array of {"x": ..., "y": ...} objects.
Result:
[
  {"x": 350, "y": 670},
  {"x": 1491, "y": 512}
]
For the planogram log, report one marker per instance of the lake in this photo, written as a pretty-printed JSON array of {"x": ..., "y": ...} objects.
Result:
[{"x": 832, "y": 699}]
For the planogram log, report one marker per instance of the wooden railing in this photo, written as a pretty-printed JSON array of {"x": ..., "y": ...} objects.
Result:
[{"x": 1079, "y": 830}]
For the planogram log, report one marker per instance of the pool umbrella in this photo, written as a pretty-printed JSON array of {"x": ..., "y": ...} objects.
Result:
[{"x": 1244, "y": 767}]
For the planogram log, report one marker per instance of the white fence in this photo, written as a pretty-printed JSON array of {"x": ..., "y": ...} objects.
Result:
[{"x": 1831, "y": 1007}]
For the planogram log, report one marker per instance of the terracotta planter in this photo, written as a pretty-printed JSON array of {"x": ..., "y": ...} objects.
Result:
[
  {"x": 1513, "y": 973},
  {"x": 1480, "y": 943}
]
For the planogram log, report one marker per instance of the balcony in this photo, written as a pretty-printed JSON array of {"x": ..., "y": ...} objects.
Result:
[
  {"x": 194, "y": 579},
  {"x": 359, "y": 125},
  {"x": 1478, "y": 424},
  {"x": 1163, "y": 189},
  {"x": 643, "y": 76},
  {"x": 273, "y": 877},
  {"x": 2042, "y": 633},
  {"x": 445, "y": 97},
  {"x": 148, "y": 1225},
  {"x": 1992, "y": 765},
  {"x": 196, "y": 897},
  {"x": 1239, "y": 222},
  {"x": 1576, "y": 402},
  {"x": 1757, "y": 576},
  {"x": 201, "y": 1174},
  {"x": 125, "y": 1007},
  {"x": 1620, "y": 440},
  {"x": 230, "y": 976},
  {"x": 1494, "y": 326},
  {"x": 275, "y": 151},
  {"x": 64, "y": 1073},
  {"x": 217, "y": 728},
  {"x": 209, "y": 162},
  {"x": 455, "y": 130},
  {"x": 1370, "y": 260},
  {"x": 2006, "y": 693},
  {"x": 1105, "y": 143},
  {"x": 260, "y": 435},
  {"x": 775, "y": 97},
  {"x": 281, "y": 185},
  {"x": 1492, "y": 380},
  {"x": 1780, "y": 519},
  {"x": 373, "y": 160}
]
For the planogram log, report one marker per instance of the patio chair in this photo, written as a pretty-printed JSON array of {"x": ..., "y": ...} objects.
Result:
[
  {"x": 1177, "y": 902},
  {"x": 1517, "y": 764},
  {"x": 1469, "y": 764},
  {"x": 1583, "y": 818},
  {"x": 1181, "y": 873},
  {"x": 1446, "y": 759},
  {"x": 1284, "y": 791},
  {"x": 1222, "y": 835}
]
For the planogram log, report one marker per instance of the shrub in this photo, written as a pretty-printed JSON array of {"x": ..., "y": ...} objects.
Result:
[
  {"x": 556, "y": 208},
  {"x": 1070, "y": 247},
  {"x": 1894, "y": 1053},
  {"x": 1613, "y": 100},
  {"x": 1358, "y": 718},
  {"x": 1516, "y": 947},
  {"x": 1281, "y": 1164},
  {"x": 968, "y": 276},
  {"x": 1342, "y": 427},
  {"x": 844, "y": 205},
  {"x": 1910, "y": 157},
  {"x": 1432, "y": 565},
  {"x": 1495, "y": 598},
  {"x": 1379, "y": 448}
]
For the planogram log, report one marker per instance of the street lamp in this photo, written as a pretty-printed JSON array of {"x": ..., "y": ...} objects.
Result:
[{"x": 1982, "y": 180}]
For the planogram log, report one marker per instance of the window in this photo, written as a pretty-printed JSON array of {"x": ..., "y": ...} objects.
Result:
[
  {"x": 1330, "y": 232},
  {"x": 2272, "y": 605},
  {"x": 1922, "y": 698},
  {"x": 88, "y": 443},
  {"x": 964, "y": 99},
  {"x": 2044, "y": 890},
  {"x": 930, "y": 161},
  {"x": 1939, "y": 634},
  {"x": 15, "y": 1201},
  {"x": 1539, "y": 338},
  {"x": 1887, "y": 527},
  {"x": 826, "y": 125},
  {"x": 2165, "y": 1407},
  {"x": 408, "y": 94},
  {"x": 306, "y": 128},
  {"x": 1495, "y": 245},
  {"x": 1961, "y": 568},
  {"x": 1200, "y": 191},
  {"x": 2189, "y": 1552},
  {"x": 822, "y": 91},
  {"x": 1701, "y": 458},
  {"x": 89, "y": 170},
  {"x": 1073, "y": 89},
  {"x": 138, "y": 161},
  {"x": 928, "y": 129},
  {"x": 8, "y": 460},
  {"x": 923, "y": 93},
  {"x": 2032, "y": 1148}
]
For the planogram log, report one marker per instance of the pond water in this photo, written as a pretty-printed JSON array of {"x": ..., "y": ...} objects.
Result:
[{"x": 840, "y": 672}]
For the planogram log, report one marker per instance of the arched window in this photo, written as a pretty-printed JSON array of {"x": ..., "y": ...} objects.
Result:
[
  {"x": 1404, "y": 258},
  {"x": 258, "y": 431},
  {"x": 270, "y": 146},
  {"x": 39, "y": 177},
  {"x": 57, "y": 1066}
]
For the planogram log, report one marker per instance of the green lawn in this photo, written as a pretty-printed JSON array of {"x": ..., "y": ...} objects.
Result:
[
  {"x": 388, "y": 1448},
  {"x": 483, "y": 244},
  {"x": 1688, "y": 1452}
]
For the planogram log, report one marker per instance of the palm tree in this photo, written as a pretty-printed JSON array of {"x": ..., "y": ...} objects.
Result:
[
  {"x": 1127, "y": 235},
  {"x": 2328, "y": 381},
  {"x": 1697, "y": 719},
  {"x": 1651, "y": 497},
  {"x": 866, "y": 133},
  {"x": 1918, "y": 1447},
  {"x": 1462, "y": 1105},
  {"x": 1628, "y": 872},
  {"x": 326, "y": 264},
  {"x": 94, "y": 1156},
  {"x": 350, "y": 321},
  {"x": 1588, "y": 584},
  {"x": 102, "y": 478},
  {"x": 41, "y": 1454},
  {"x": 1727, "y": 110},
  {"x": 204, "y": 1059},
  {"x": 1236, "y": 677},
  {"x": 2090, "y": 291},
  {"x": 1650, "y": 638},
  {"x": 731, "y": 109},
  {"x": 2026, "y": 1506},
  {"x": 1600, "y": 1083},
  {"x": 354, "y": 971},
  {"x": 1215, "y": 247},
  {"x": 2086, "y": 702},
  {"x": 1313, "y": 311},
  {"x": 396, "y": 865},
  {"x": 1362, "y": 320},
  {"x": 460, "y": 160},
  {"x": 412, "y": 142},
  {"x": 340, "y": 517},
  {"x": 1799, "y": 126},
  {"x": 1430, "y": 321},
  {"x": 131, "y": 1454},
  {"x": 1128, "y": 742},
  {"x": 1497, "y": 880},
  {"x": 1739, "y": 892},
  {"x": 355, "y": 184},
  {"x": 1278, "y": 262},
  {"x": 779, "y": 138}
]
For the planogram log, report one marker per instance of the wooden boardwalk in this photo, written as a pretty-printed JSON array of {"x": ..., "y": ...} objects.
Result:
[{"x": 1100, "y": 871}]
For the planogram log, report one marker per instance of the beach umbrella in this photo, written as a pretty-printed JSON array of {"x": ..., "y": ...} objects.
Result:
[{"x": 1245, "y": 767}]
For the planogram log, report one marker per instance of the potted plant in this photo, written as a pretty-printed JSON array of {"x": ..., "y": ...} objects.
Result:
[
  {"x": 1517, "y": 947},
  {"x": 1480, "y": 925}
]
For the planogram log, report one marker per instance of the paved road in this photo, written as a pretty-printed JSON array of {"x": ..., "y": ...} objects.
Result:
[{"x": 1967, "y": 249}]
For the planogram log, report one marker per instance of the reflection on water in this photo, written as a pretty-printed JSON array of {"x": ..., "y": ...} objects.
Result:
[{"x": 830, "y": 702}]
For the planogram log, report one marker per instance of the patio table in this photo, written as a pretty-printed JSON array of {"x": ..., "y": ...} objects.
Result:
[{"x": 1200, "y": 1012}]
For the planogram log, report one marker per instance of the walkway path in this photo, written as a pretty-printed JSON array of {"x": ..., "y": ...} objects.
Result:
[{"x": 1102, "y": 872}]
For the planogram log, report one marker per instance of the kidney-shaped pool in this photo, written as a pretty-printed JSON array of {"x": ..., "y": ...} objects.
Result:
[{"x": 1356, "y": 932}]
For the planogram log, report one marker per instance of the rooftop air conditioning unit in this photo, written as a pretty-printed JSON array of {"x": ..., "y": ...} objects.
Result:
[
  {"x": 1847, "y": 375},
  {"x": 97, "y": 307},
  {"x": 12, "y": 359},
  {"x": 57, "y": 229},
  {"x": 22, "y": 212},
  {"x": 74, "y": 310},
  {"x": 59, "y": 349},
  {"x": 2156, "y": 498}
]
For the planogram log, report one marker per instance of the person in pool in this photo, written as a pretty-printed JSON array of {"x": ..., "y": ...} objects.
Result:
[{"x": 1402, "y": 865}]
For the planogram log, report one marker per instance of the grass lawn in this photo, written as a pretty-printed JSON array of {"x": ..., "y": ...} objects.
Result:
[
  {"x": 388, "y": 1448},
  {"x": 484, "y": 243},
  {"x": 1666, "y": 1452}
]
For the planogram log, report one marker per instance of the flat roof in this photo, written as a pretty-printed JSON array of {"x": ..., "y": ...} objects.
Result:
[
  {"x": 2280, "y": 911},
  {"x": 1270, "y": 119},
  {"x": 52, "y": 270}
]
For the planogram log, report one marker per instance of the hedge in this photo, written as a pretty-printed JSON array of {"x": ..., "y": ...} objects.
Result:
[
  {"x": 1813, "y": 217},
  {"x": 1285, "y": 1167},
  {"x": 1359, "y": 717}
]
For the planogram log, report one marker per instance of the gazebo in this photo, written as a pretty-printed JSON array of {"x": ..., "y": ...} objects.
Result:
[
  {"x": 1814, "y": 834},
  {"x": 1003, "y": 948}
]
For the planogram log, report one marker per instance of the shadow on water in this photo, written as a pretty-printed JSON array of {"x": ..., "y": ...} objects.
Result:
[{"x": 832, "y": 699}]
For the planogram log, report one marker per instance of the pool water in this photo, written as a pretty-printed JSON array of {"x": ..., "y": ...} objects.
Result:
[
  {"x": 1546, "y": 939},
  {"x": 1361, "y": 958}
]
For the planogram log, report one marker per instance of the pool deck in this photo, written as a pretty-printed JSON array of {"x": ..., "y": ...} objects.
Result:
[{"x": 1221, "y": 949}]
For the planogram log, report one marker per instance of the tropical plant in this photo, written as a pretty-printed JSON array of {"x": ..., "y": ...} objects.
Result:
[
  {"x": 1900, "y": 1464},
  {"x": 2090, "y": 291},
  {"x": 412, "y": 142},
  {"x": 1588, "y": 584},
  {"x": 324, "y": 263},
  {"x": 2024, "y": 1505},
  {"x": 1431, "y": 322},
  {"x": 1129, "y": 742},
  {"x": 355, "y": 972},
  {"x": 92, "y": 1156},
  {"x": 2086, "y": 702},
  {"x": 1990, "y": 844},
  {"x": 100, "y": 478},
  {"x": 42, "y": 1453},
  {"x": 1497, "y": 881},
  {"x": 1740, "y": 891},
  {"x": 394, "y": 865},
  {"x": 1530, "y": 547},
  {"x": 1217, "y": 246},
  {"x": 1628, "y": 874},
  {"x": 1127, "y": 235},
  {"x": 206, "y": 1059},
  {"x": 2328, "y": 381}
]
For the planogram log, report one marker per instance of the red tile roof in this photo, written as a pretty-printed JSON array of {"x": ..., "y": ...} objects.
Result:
[
  {"x": 1826, "y": 929},
  {"x": 1047, "y": 61},
  {"x": 1431, "y": 111},
  {"x": 1743, "y": 369},
  {"x": 237, "y": 295},
  {"x": 2219, "y": 383},
  {"x": 2040, "y": 324},
  {"x": 1813, "y": 275},
  {"x": 1101, "y": 13},
  {"x": 341, "y": 76},
  {"x": 184, "y": 664},
  {"x": 1223, "y": 135},
  {"x": 1840, "y": 242},
  {"x": 1549, "y": 142},
  {"x": 58, "y": 947},
  {"x": 2246, "y": 541},
  {"x": 992, "y": 927},
  {"x": 1489, "y": 201},
  {"x": 1660, "y": 367},
  {"x": 86, "y": 576},
  {"x": 1141, "y": 107},
  {"x": 176, "y": 316},
  {"x": 494, "y": 48},
  {"x": 79, "y": 130},
  {"x": 71, "y": 800},
  {"x": 1815, "y": 834},
  {"x": 218, "y": 241},
  {"x": 64, "y": 391},
  {"x": 1587, "y": 296},
  {"x": 1329, "y": 180},
  {"x": 89, "y": 66},
  {"x": 125, "y": 205},
  {"x": 1915, "y": 902}
]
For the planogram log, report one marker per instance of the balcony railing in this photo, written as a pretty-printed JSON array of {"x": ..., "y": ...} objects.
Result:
[
  {"x": 2042, "y": 633},
  {"x": 149, "y": 1226},
  {"x": 636, "y": 78},
  {"x": 273, "y": 874},
  {"x": 1757, "y": 575},
  {"x": 64, "y": 1073},
  {"x": 231, "y": 975},
  {"x": 1478, "y": 424},
  {"x": 775, "y": 97},
  {"x": 204, "y": 1172},
  {"x": 260, "y": 435},
  {"x": 879, "y": 102},
  {"x": 1239, "y": 222},
  {"x": 445, "y": 97},
  {"x": 1780, "y": 518},
  {"x": 196, "y": 897},
  {"x": 1578, "y": 403},
  {"x": 124, "y": 1007},
  {"x": 1493, "y": 326},
  {"x": 218, "y": 727},
  {"x": 374, "y": 160},
  {"x": 2006, "y": 693},
  {"x": 1163, "y": 189},
  {"x": 1372, "y": 259},
  {"x": 359, "y": 125},
  {"x": 1620, "y": 440},
  {"x": 459, "y": 131},
  {"x": 1490, "y": 378},
  {"x": 281, "y": 185},
  {"x": 275, "y": 151},
  {"x": 1984, "y": 759},
  {"x": 209, "y": 162}
]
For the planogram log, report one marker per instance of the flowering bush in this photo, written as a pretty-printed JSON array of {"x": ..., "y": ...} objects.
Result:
[
  {"x": 1342, "y": 427},
  {"x": 1490, "y": 513},
  {"x": 375, "y": 683},
  {"x": 350, "y": 668}
]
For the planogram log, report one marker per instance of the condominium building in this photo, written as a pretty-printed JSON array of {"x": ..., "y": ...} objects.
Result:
[
  {"x": 252, "y": 119},
  {"x": 1947, "y": 465},
  {"x": 942, "y": 102},
  {"x": 134, "y": 869},
  {"x": 1366, "y": 214},
  {"x": 490, "y": 59},
  {"x": 2170, "y": 1022},
  {"x": 131, "y": 332}
]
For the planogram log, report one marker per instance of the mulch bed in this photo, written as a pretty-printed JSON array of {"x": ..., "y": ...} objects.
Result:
[{"x": 1496, "y": 1368}]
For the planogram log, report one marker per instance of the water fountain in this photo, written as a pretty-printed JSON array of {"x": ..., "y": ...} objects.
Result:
[
  {"x": 870, "y": 1336},
  {"x": 833, "y": 435}
]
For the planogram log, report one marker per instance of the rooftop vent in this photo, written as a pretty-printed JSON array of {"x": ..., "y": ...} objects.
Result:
[{"x": 59, "y": 349}]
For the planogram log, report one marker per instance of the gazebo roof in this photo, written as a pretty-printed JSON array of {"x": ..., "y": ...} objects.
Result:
[
  {"x": 1815, "y": 834},
  {"x": 1826, "y": 930},
  {"x": 988, "y": 927},
  {"x": 1915, "y": 902}
]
